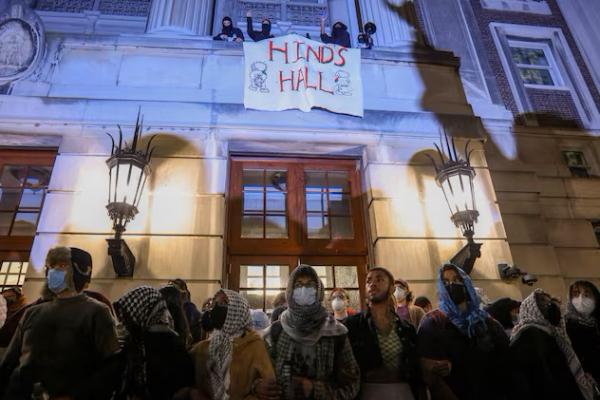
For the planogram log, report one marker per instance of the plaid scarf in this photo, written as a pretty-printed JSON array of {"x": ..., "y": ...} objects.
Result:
[
  {"x": 220, "y": 347},
  {"x": 531, "y": 316}
]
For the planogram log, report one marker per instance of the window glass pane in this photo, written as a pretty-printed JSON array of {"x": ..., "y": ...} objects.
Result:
[
  {"x": 316, "y": 201},
  {"x": 339, "y": 203},
  {"x": 253, "y": 179},
  {"x": 325, "y": 272},
  {"x": 276, "y": 226},
  {"x": 15, "y": 267},
  {"x": 252, "y": 226},
  {"x": 9, "y": 199},
  {"x": 277, "y": 276},
  {"x": 315, "y": 180},
  {"x": 339, "y": 182},
  {"x": 251, "y": 276},
  {"x": 13, "y": 175},
  {"x": 341, "y": 228},
  {"x": 346, "y": 276},
  {"x": 276, "y": 181},
  {"x": 523, "y": 55},
  {"x": 276, "y": 201},
  {"x": 318, "y": 226},
  {"x": 32, "y": 198},
  {"x": 25, "y": 224},
  {"x": 4, "y": 267},
  {"x": 255, "y": 298},
  {"x": 253, "y": 201},
  {"x": 38, "y": 177},
  {"x": 5, "y": 220},
  {"x": 535, "y": 76},
  {"x": 271, "y": 294},
  {"x": 575, "y": 158},
  {"x": 12, "y": 280}
]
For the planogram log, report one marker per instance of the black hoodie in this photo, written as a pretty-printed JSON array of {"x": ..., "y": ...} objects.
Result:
[
  {"x": 230, "y": 31},
  {"x": 264, "y": 33},
  {"x": 339, "y": 35}
]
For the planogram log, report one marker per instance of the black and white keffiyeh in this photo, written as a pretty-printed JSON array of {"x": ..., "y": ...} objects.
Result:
[
  {"x": 531, "y": 316},
  {"x": 143, "y": 307},
  {"x": 220, "y": 347}
]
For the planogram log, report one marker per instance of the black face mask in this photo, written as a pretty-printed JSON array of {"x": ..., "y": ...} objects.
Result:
[
  {"x": 266, "y": 28},
  {"x": 457, "y": 292},
  {"x": 216, "y": 316},
  {"x": 552, "y": 313}
]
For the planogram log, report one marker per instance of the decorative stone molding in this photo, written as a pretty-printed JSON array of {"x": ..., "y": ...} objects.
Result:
[
  {"x": 191, "y": 17},
  {"x": 22, "y": 42},
  {"x": 134, "y": 8},
  {"x": 395, "y": 21},
  {"x": 527, "y": 6}
]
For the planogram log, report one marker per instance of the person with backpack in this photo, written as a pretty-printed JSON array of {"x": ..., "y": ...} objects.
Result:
[{"x": 309, "y": 349}]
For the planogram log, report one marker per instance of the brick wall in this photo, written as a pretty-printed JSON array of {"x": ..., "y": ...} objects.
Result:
[{"x": 554, "y": 108}]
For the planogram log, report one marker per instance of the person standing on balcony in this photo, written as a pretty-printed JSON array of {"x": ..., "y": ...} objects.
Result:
[
  {"x": 264, "y": 33},
  {"x": 229, "y": 33},
  {"x": 339, "y": 34}
]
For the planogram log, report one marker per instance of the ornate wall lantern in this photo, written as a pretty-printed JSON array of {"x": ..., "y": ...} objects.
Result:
[
  {"x": 128, "y": 169},
  {"x": 455, "y": 177}
]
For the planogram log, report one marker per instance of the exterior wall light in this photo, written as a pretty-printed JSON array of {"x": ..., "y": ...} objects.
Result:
[
  {"x": 455, "y": 177},
  {"x": 128, "y": 169}
]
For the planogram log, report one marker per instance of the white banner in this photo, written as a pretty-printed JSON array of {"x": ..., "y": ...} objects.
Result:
[{"x": 295, "y": 72}]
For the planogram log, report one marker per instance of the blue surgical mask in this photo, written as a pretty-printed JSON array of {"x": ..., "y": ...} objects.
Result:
[
  {"x": 305, "y": 295},
  {"x": 56, "y": 280}
]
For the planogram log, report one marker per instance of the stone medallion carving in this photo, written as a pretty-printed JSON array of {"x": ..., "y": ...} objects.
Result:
[{"x": 21, "y": 42}]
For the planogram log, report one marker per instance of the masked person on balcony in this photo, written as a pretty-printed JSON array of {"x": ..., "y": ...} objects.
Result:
[
  {"x": 229, "y": 33},
  {"x": 340, "y": 304},
  {"x": 339, "y": 34},
  {"x": 406, "y": 310},
  {"x": 156, "y": 363},
  {"x": 583, "y": 325},
  {"x": 384, "y": 345},
  {"x": 463, "y": 351},
  {"x": 309, "y": 348},
  {"x": 264, "y": 33},
  {"x": 544, "y": 363},
  {"x": 234, "y": 361},
  {"x": 66, "y": 347}
]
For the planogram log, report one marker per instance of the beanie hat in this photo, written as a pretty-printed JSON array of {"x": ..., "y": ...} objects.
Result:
[{"x": 80, "y": 261}]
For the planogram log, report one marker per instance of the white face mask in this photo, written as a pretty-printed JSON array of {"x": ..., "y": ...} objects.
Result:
[
  {"x": 338, "y": 304},
  {"x": 400, "y": 294},
  {"x": 584, "y": 305},
  {"x": 305, "y": 296}
]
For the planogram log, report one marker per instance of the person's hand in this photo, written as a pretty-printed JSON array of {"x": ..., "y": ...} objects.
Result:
[
  {"x": 223, "y": 36},
  {"x": 238, "y": 40},
  {"x": 305, "y": 384},
  {"x": 249, "y": 13},
  {"x": 267, "y": 389},
  {"x": 442, "y": 367}
]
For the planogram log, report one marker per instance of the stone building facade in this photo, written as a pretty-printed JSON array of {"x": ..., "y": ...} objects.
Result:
[{"x": 238, "y": 197}]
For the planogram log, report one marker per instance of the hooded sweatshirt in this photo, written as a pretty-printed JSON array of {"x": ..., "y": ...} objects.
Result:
[
  {"x": 230, "y": 31},
  {"x": 264, "y": 33},
  {"x": 250, "y": 361},
  {"x": 339, "y": 35}
]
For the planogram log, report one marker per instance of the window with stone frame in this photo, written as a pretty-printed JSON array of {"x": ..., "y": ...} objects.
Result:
[
  {"x": 304, "y": 13},
  {"x": 577, "y": 163},
  {"x": 24, "y": 179},
  {"x": 536, "y": 64},
  {"x": 524, "y": 6}
]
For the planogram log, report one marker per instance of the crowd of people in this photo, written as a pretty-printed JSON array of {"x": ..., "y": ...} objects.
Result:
[
  {"x": 154, "y": 343},
  {"x": 229, "y": 33}
]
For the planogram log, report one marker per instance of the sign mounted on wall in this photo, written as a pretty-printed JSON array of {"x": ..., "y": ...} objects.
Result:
[{"x": 295, "y": 72}]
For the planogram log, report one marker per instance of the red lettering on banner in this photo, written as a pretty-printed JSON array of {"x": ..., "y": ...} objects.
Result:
[
  {"x": 301, "y": 78},
  {"x": 283, "y": 50},
  {"x": 298, "y": 52},
  {"x": 321, "y": 84},
  {"x": 315, "y": 53},
  {"x": 323, "y": 60},
  {"x": 282, "y": 80},
  {"x": 308, "y": 85},
  {"x": 342, "y": 61}
]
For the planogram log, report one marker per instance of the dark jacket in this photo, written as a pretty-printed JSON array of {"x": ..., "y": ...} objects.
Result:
[
  {"x": 362, "y": 334},
  {"x": 230, "y": 33},
  {"x": 257, "y": 36},
  {"x": 540, "y": 369},
  {"x": 586, "y": 343},
  {"x": 339, "y": 36},
  {"x": 194, "y": 317},
  {"x": 500, "y": 311}
]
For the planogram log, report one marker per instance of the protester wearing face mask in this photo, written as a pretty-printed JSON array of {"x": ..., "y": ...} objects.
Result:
[
  {"x": 505, "y": 311},
  {"x": 308, "y": 347},
  {"x": 583, "y": 325},
  {"x": 65, "y": 347},
  {"x": 406, "y": 310},
  {"x": 265, "y": 31},
  {"x": 463, "y": 351},
  {"x": 234, "y": 361},
  {"x": 544, "y": 363},
  {"x": 229, "y": 33},
  {"x": 340, "y": 304},
  {"x": 384, "y": 345},
  {"x": 339, "y": 34}
]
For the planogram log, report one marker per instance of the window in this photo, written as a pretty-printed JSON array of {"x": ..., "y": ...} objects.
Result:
[
  {"x": 525, "y": 6},
  {"x": 577, "y": 163},
  {"x": 596, "y": 227},
  {"x": 535, "y": 64},
  {"x": 24, "y": 178},
  {"x": 283, "y": 212}
]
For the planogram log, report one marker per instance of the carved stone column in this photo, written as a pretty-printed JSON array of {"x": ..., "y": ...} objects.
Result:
[
  {"x": 395, "y": 20},
  {"x": 190, "y": 17}
]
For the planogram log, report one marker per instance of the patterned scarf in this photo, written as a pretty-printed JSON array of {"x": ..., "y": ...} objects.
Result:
[
  {"x": 531, "y": 316},
  {"x": 220, "y": 347},
  {"x": 591, "y": 321},
  {"x": 471, "y": 321}
]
